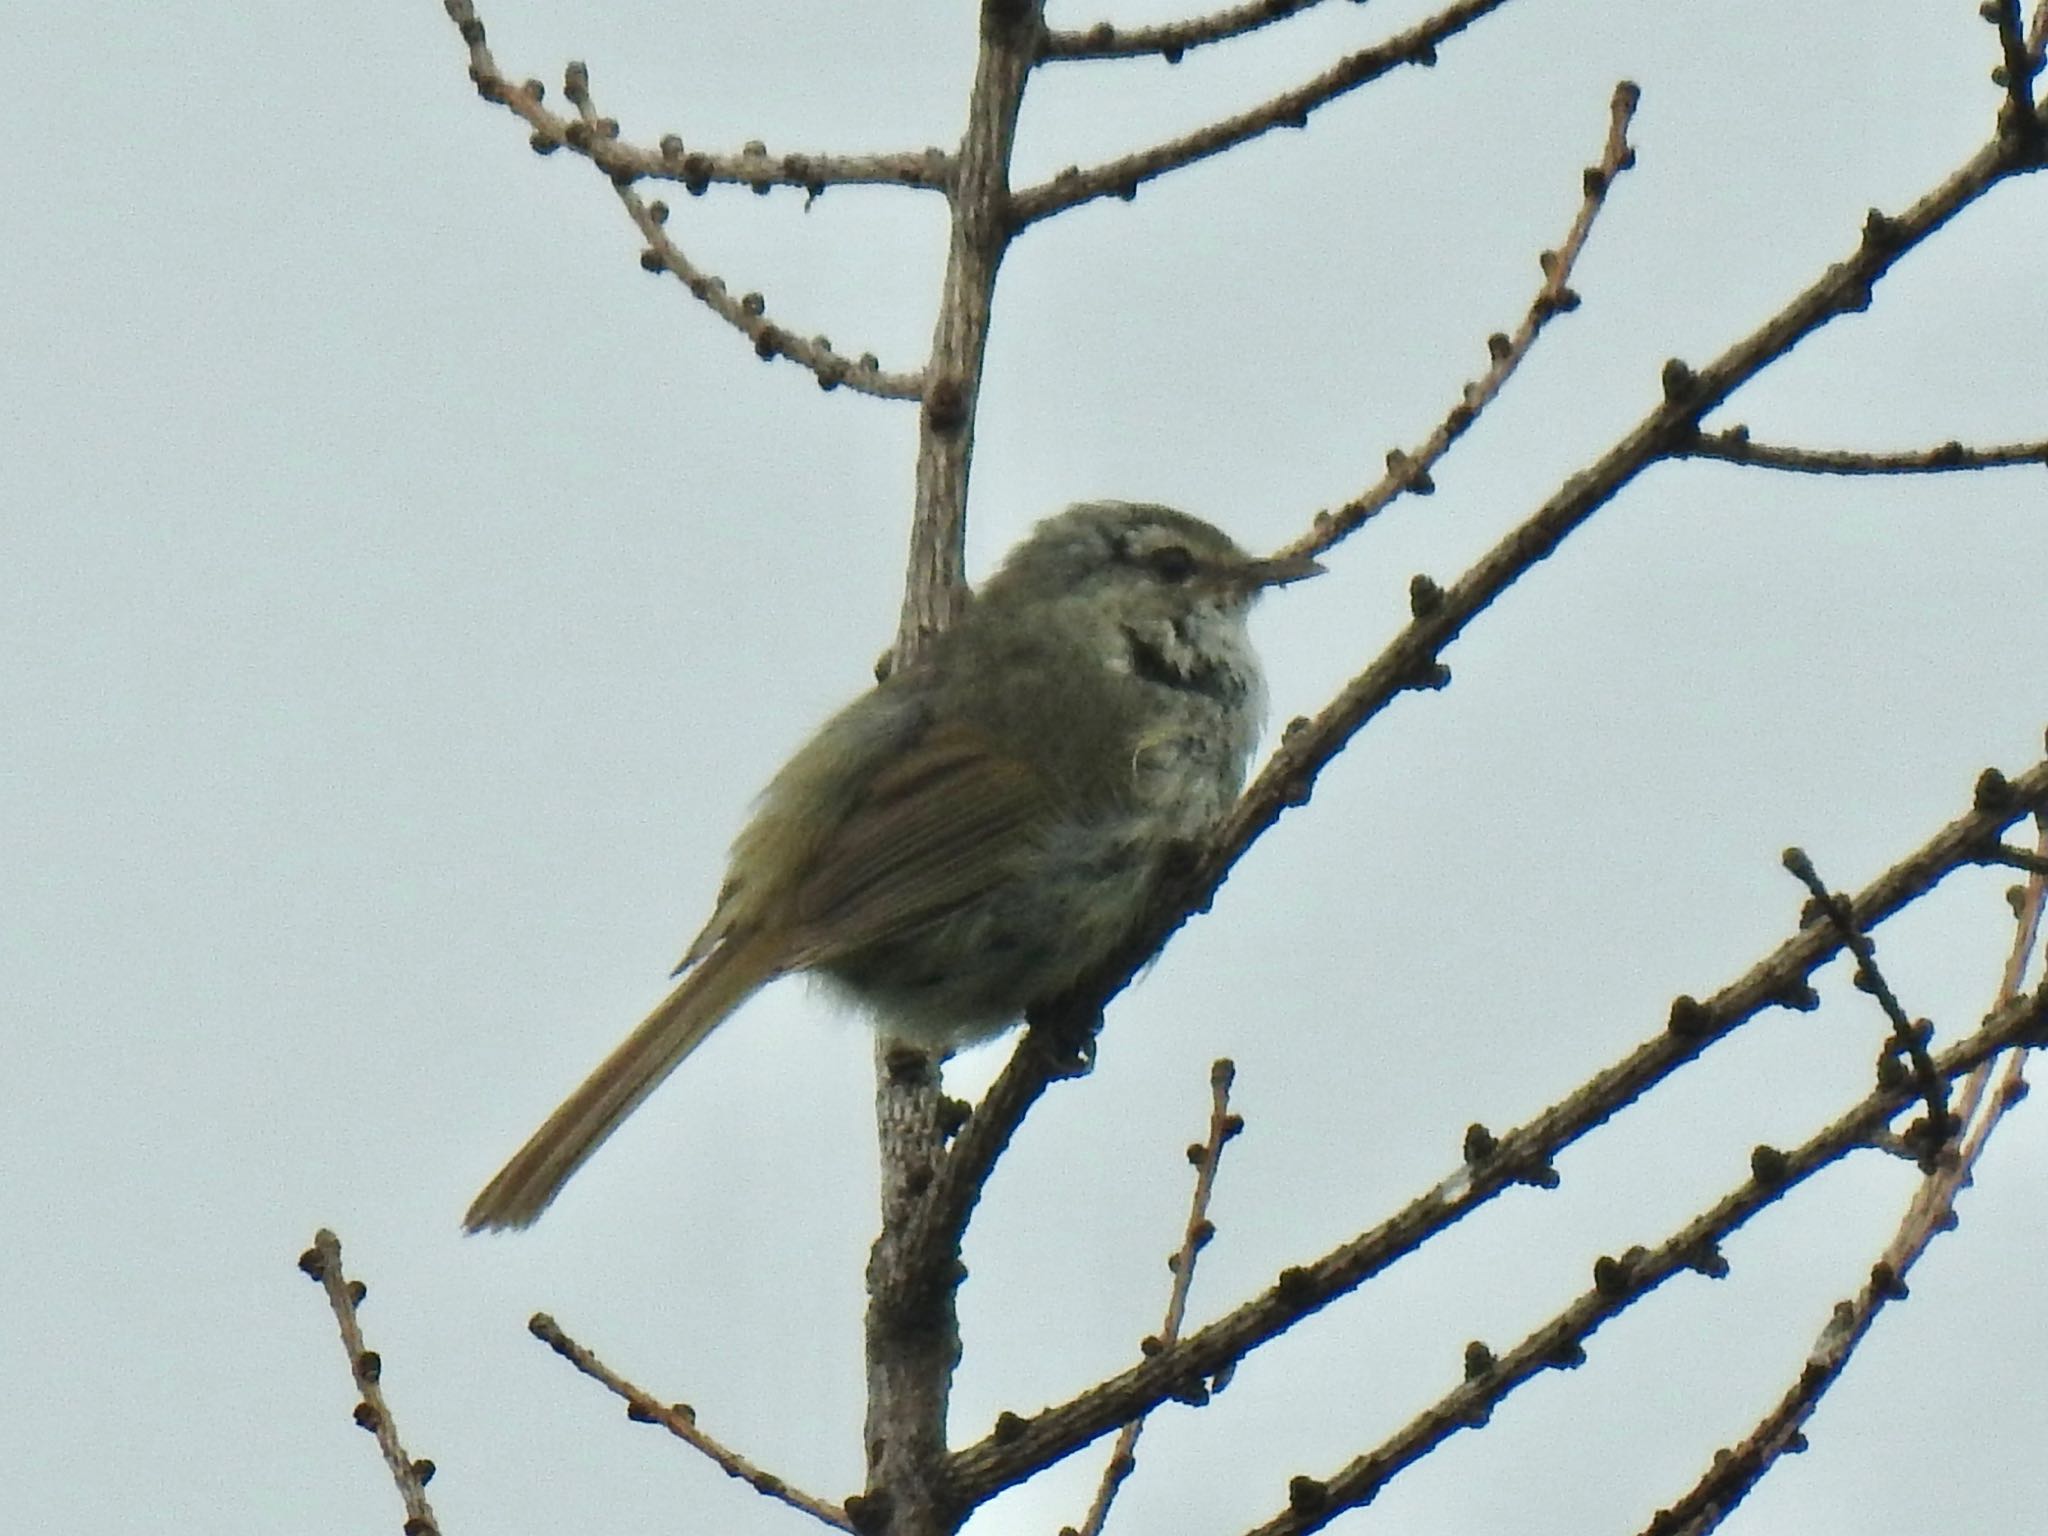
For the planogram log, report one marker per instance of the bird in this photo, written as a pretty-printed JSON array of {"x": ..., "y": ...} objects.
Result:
[{"x": 974, "y": 833}]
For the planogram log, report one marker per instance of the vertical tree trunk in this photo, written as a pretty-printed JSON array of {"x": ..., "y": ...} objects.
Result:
[{"x": 913, "y": 1335}]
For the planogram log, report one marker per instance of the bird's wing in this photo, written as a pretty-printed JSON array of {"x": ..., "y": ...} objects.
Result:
[{"x": 938, "y": 823}]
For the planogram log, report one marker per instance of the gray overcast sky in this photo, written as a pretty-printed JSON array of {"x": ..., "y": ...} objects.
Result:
[{"x": 401, "y": 596}]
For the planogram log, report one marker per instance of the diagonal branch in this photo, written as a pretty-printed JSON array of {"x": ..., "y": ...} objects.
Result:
[
  {"x": 1207, "y": 1156},
  {"x": 597, "y": 137},
  {"x": 1409, "y": 472},
  {"x": 1618, "y": 1283},
  {"x": 1290, "y": 109},
  {"x": 1734, "y": 446},
  {"x": 1020, "y": 1447},
  {"x": 322, "y": 1262},
  {"x": 1169, "y": 39},
  {"x": 1737, "y": 1471},
  {"x": 681, "y": 1422}
]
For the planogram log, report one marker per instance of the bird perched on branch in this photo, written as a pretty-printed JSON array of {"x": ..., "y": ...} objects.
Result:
[{"x": 976, "y": 832}]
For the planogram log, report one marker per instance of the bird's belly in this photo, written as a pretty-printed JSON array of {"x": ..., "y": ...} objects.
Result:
[{"x": 972, "y": 971}]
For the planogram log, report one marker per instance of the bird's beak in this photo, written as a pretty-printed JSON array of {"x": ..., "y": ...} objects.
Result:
[{"x": 1275, "y": 571}]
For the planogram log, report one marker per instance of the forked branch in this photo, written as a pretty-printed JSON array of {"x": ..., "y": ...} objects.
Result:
[
  {"x": 1412, "y": 661},
  {"x": 2018, "y": 65},
  {"x": 1738, "y": 1469},
  {"x": 1022, "y": 1446},
  {"x": 1620, "y": 1282},
  {"x": 1059, "y": 1048},
  {"x": 597, "y": 137},
  {"x": 1056, "y": 1044},
  {"x": 1908, "y": 1050},
  {"x": 670, "y": 160}
]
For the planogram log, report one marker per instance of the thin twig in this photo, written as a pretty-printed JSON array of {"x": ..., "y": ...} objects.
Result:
[
  {"x": 1410, "y": 471},
  {"x": 1735, "y": 446},
  {"x": 1123, "y": 176},
  {"x": 2029, "y": 902},
  {"x": 748, "y": 313},
  {"x": 1909, "y": 1038},
  {"x": 1206, "y": 1155},
  {"x": 696, "y": 169},
  {"x": 1022, "y": 1446},
  {"x": 1169, "y": 39},
  {"x": 1618, "y": 1283},
  {"x": 322, "y": 1262},
  {"x": 597, "y": 137},
  {"x": 681, "y": 1421},
  {"x": 1780, "y": 1431},
  {"x": 2016, "y": 69}
]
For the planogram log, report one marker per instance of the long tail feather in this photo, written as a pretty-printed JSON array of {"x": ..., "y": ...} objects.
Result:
[{"x": 719, "y": 983}]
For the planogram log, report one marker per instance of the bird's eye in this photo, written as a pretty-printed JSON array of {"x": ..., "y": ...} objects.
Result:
[{"x": 1171, "y": 562}]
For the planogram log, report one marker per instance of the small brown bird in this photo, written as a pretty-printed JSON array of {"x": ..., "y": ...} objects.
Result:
[{"x": 974, "y": 833}]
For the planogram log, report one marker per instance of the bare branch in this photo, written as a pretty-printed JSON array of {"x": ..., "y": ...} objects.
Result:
[
  {"x": 1169, "y": 39},
  {"x": 912, "y": 1333},
  {"x": 322, "y": 1262},
  {"x": 1735, "y": 446},
  {"x": 1206, "y": 1155},
  {"x": 935, "y": 583},
  {"x": 597, "y": 137},
  {"x": 1737, "y": 1471},
  {"x": 1020, "y": 1446},
  {"x": 2017, "y": 67},
  {"x": 681, "y": 1421},
  {"x": 748, "y": 315},
  {"x": 1909, "y": 1039},
  {"x": 1291, "y": 109},
  {"x": 1410, "y": 471},
  {"x": 1049, "y": 1050},
  {"x": 753, "y": 167},
  {"x": 1618, "y": 1283},
  {"x": 1411, "y": 660}
]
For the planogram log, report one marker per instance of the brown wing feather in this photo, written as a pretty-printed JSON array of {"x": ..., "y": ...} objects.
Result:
[{"x": 937, "y": 825}]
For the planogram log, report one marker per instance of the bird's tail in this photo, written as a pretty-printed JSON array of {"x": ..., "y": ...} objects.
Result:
[{"x": 717, "y": 985}]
